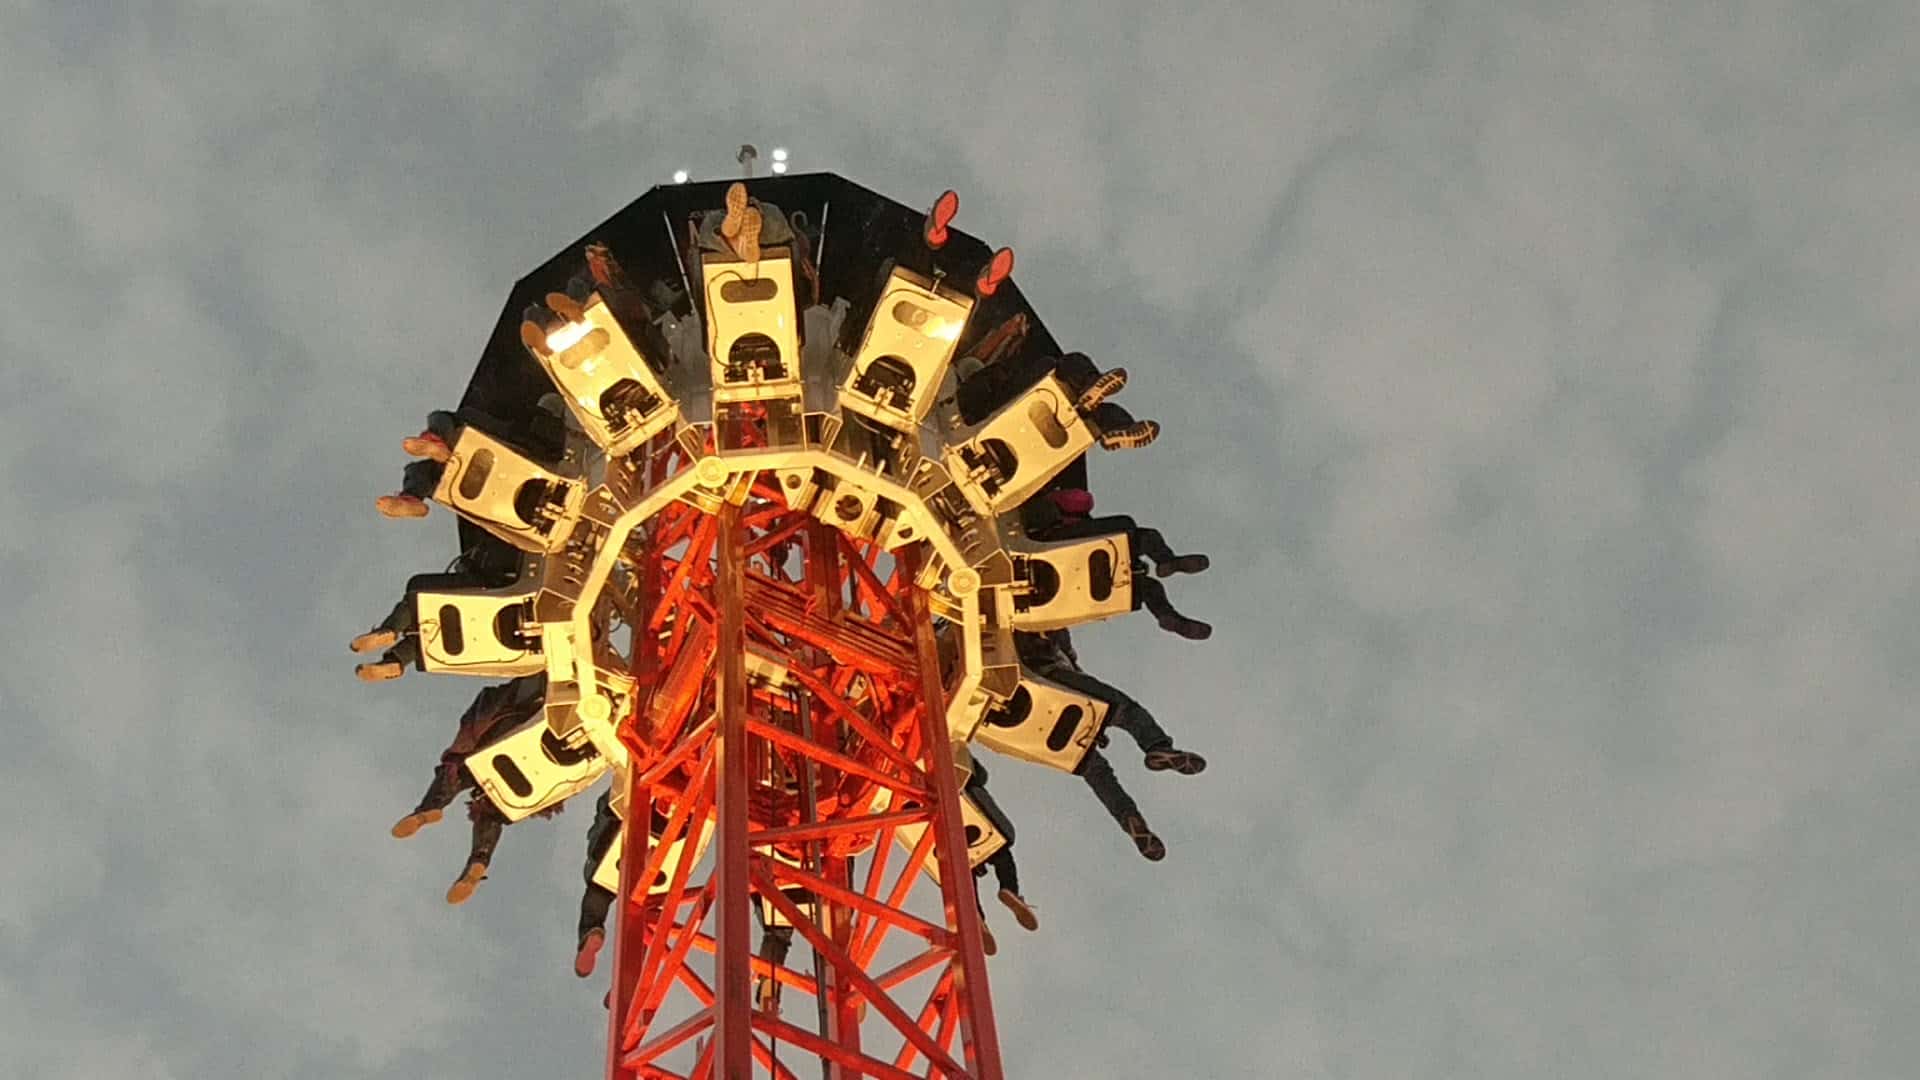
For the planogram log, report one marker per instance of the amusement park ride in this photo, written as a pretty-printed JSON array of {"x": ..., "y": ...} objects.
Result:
[{"x": 768, "y": 560}]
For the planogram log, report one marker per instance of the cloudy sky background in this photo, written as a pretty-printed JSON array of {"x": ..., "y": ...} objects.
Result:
[{"x": 1540, "y": 382}]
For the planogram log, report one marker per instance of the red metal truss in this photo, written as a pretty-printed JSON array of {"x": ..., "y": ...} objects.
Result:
[{"x": 796, "y": 717}]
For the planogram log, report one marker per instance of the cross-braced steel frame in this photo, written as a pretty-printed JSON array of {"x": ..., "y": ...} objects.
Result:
[{"x": 789, "y": 705}]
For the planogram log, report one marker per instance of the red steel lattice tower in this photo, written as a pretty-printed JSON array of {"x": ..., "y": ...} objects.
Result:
[
  {"x": 814, "y": 782},
  {"x": 768, "y": 572}
]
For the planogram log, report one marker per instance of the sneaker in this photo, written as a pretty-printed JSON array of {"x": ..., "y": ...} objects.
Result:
[
  {"x": 589, "y": 952},
  {"x": 462, "y": 889},
  {"x": 380, "y": 671},
  {"x": 1108, "y": 384},
  {"x": 1183, "y": 564},
  {"x": 747, "y": 244},
  {"x": 414, "y": 822},
  {"x": 1134, "y": 435},
  {"x": 375, "y": 641},
  {"x": 427, "y": 445},
  {"x": 1191, "y": 629},
  {"x": 987, "y": 944},
  {"x": 736, "y": 210},
  {"x": 1144, "y": 839},
  {"x": 1184, "y": 762},
  {"x": 1023, "y": 912},
  {"x": 401, "y": 506}
]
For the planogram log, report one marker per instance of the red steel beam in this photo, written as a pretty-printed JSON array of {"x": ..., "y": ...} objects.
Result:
[
  {"x": 733, "y": 1005},
  {"x": 980, "y": 1037}
]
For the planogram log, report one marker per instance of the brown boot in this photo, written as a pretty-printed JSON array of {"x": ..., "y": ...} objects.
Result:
[
  {"x": 401, "y": 506},
  {"x": 427, "y": 445},
  {"x": 414, "y": 822},
  {"x": 380, "y": 671},
  {"x": 1143, "y": 838},
  {"x": 462, "y": 888},
  {"x": 1184, "y": 762},
  {"x": 1023, "y": 912},
  {"x": 589, "y": 951},
  {"x": 375, "y": 641}
]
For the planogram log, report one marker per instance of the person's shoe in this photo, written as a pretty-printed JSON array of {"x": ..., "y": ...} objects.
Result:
[
  {"x": 401, "y": 506},
  {"x": 380, "y": 671},
  {"x": 1191, "y": 629},
  {"x": 747, "y": 244},
  {"x": 987, "y": 944},
  {"x": 1108, "y": 384},
  {"x": 375, "y": 641},
  {"x": 589, "y": 952},
  {"x": 1184, "y": 762},
  {"x": 1183, "y": 564},
  {"x": 736, "y": 210},
  {"x": 1130, "y": 436},
  {"x": 427, "y": 445},
  {"x": 1144, "y": 839},
  {"x": 462, "y": 890},
  {"x": 1023, "y": 912},
  {"x": 414, "y": 822}
]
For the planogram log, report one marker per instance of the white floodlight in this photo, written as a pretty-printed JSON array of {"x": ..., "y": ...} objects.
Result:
[
  {"x": 779, "y": 166},
  {"x": 779, "y": 153},
  {"x": 679, "y": 176}
]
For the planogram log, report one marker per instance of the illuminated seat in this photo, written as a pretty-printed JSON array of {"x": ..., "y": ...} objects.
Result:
[
  {"x": 504, "y": 492},
  {"x": 982, "y": 838},
  {"x": 608, "y": 386},
  {"x": 488, "y": 632},
  {"x": 903, "y": 357},
  {"x": 531, "y": 769},
  {"x": 753, "y": 340},
  {"x": 1002, "y": 461},
  {"x": 1071, "y": 582},
  {"x": 1044, "y": 723},
  {"x": 607, "y": 874}
]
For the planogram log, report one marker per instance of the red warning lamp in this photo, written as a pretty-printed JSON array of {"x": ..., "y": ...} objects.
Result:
[
  {"x": 944, "y": 208},
  {"x": 998, "y": 268}
]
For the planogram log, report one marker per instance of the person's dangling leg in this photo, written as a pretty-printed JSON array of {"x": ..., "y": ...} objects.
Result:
[
  {"x": 1152, "y": 595},
  {"x": 488, "y": 824},
  {"x": 775, "y": 941},
  {"x": 1118, "y": 430},
  {"x": 1097, "y": 771},
  {"x": 441, "y": 792},
  {"x": 595, "y": 903},
  {"x": 386, "y": 633},
  {"x": 417, "y": 482},
  {"x": 1007, "y": 875}
]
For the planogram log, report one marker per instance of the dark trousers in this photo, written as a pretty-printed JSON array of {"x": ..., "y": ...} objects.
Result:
[
  {"x": 403, "y": 621},
  {"x": 1004, "y": 870},
  {"x": 597, "y": 901},
  {"x": 1144, "y": 541},
  {"x": 420, "y": 477},
  {"x": 594, "y": 906},
  {"x": 488, "y": 824},
  {"x": 1097, "y": 771},
  {"x": 449, "y": 780},
  {"x": 1002, "y": 861},
  {"x": 1076, "y": 372},
  {"x": 1150, "y": 594},
  {"x": 1122, "y": 711}
]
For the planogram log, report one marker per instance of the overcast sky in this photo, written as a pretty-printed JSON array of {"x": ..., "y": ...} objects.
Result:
[{"x": 1540, "y": 383}]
